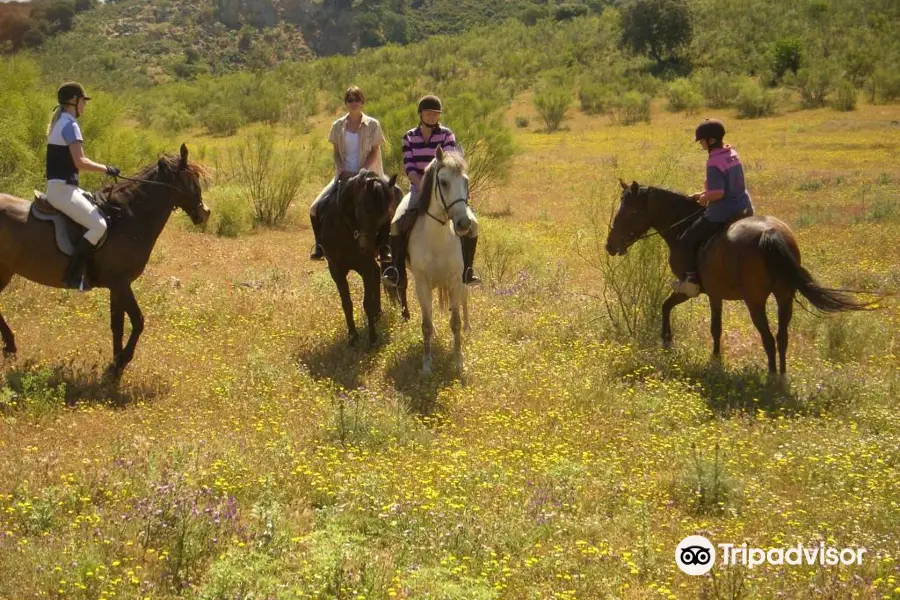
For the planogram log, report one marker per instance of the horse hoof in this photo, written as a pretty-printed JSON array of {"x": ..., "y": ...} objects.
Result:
[
  {"x": 352, "y": 341},
  {"x": 405, "y": 314},
  {"x": 114, "y": 372},
  {"x": 9, "y": 352}
]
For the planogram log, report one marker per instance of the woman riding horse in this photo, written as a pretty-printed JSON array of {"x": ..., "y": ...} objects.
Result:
[
  {"x": 725, "y": 197},
  {"x": 357, "y": 140},
  {"x": 65, "y": 157},
  {"x": 419, "y": 147}
]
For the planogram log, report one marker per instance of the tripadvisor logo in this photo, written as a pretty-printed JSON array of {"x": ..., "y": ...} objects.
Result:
[{"x": 696, "y": 555}]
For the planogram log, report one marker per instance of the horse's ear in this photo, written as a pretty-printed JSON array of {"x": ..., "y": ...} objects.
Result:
[
  {"x": 623, "y": 184},
  {"x": 392, "y": 181},
  {"x": 439, "y": 154},
  {"x": 635, "y": 188},
  {"x": 162, "y": 166},
  {"x": 184, "y": 157}
]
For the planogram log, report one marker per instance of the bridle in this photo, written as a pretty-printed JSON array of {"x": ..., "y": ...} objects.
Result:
[
  {"x": 632, "y": 239},
  {"x": 447, "y": 207},
  {"x": 162, "y": 184}
]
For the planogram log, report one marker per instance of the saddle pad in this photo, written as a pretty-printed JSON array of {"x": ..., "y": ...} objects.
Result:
[{"x": 67, "y": 231}]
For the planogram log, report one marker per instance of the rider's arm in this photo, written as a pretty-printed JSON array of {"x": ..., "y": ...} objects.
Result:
[
  {"x": 373, "y": 156},
  {"x": 409, "y": 163},
  {"x": 82, "y": 162},
  {"x": 338, "y": 162}
]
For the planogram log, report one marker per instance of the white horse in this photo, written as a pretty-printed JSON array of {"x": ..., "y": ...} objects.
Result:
[{"x": 435, "y": 251}]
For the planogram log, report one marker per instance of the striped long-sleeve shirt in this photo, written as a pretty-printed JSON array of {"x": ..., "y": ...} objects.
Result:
[{"x": 417, "y": 153}]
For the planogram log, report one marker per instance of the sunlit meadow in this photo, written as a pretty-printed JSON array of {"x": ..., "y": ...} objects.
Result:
[{"x": 249, "y": 453}]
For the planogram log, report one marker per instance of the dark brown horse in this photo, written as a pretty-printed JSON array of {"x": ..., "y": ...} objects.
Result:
[
  {"x": 755, "y": 257},
  {"x": 354, "y": 226},
  {"x": 136, "y": 213}
]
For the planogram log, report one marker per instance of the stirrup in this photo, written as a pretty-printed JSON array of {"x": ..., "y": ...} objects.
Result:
[
  {"x": 470, "y": 278},
  {"x": 389, "y": 278},
  {"x": 318, "y": 253}
]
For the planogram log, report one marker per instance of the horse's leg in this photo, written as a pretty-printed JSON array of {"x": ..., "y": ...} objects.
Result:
[
  {"x": 715, "y": 325},
  {"x": 130, "y": 306},
  {"x": 340, "y": 280},
  {"x": 9, "y": 340},
  {"x": 761, "y": 321},
  {"x": 372, "y": 299},
  {"x": 423, "y": 291},
  {"x": 785, "y": 312},
  {"x": 456, "y": 300},
  {"x": 465, "y": 310},
  {"x": 116, "y": 322},
  {"x": 671, "y": 302}
]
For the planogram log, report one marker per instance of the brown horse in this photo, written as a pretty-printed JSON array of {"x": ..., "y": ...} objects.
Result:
[
  {"x": 755, "y": 257},
  {"x": 136, "y": 212},
  {"x": 354, "y": 226}
]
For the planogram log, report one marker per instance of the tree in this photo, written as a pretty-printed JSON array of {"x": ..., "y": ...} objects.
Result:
[
  {"x": 14, "y": 29},
  {"x": 657, "y": 28}
]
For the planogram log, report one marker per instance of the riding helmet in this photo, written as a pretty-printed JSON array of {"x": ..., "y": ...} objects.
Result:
[
  {"x": 70, "y": 90},
  {"x": 430, "y": 102},
  {"x": 710, "y": 128}
]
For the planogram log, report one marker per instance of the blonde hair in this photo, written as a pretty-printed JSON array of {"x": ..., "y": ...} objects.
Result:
[{"x": 54, "y": 117}]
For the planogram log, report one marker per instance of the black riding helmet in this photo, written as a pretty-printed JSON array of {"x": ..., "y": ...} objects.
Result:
[
  {"x": 430, "y": 102},
  {"x": 710, "y": 128},
  {"x": 69, "y": 91}
]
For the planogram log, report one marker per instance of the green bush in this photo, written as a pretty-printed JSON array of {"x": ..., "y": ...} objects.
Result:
[
  {"x": 883, "y": 85},
  {"x": 718, "y": 89},
  {"x": 844, "y": 97},
  {"x": 221, "y": 120},
  {"x": 631, "y": 108},
  {"x": 753, "y": 101},
  {"x": 814, "y": 83},
  {"x": 683, "y": 97},
  {"x": 595, "y": 98},
  {"x": 269, "y": 178},
  {"x": 552, "y": 104}
]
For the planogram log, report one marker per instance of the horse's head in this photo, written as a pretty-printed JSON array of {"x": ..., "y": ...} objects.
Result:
[
  {"x": 447, "y": 180},
  {"x": 184, "y": 178},
  {"x": 373, "y": 198},
  {"x": 631, "y": 221}
]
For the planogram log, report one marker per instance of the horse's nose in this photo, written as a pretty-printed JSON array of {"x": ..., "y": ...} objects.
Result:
[
  {"x": 463, "y": 223},
  {"x": 609, "y": 248}
]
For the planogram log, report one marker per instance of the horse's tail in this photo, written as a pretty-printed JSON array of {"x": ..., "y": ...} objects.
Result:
[
  {"x": 443, "y": 297},
  {"x": 785, "y": 267}
]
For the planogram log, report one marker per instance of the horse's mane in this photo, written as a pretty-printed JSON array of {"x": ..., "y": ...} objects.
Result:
[
  {"x": 671, "y": 197},
  {"x": 452, "y": 160},
  {"x": 123, "y": 192}
]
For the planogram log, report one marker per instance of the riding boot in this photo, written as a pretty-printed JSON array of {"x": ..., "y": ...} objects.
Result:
[
  {"x": 468, "y": 252},
  {"x": 75, "y": 275},
  {"x": 318, "y": 252},
  {"x": 395, "y": 275}
]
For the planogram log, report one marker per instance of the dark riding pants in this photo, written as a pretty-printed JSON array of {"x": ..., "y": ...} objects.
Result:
[{"x": 694, "y": 237}]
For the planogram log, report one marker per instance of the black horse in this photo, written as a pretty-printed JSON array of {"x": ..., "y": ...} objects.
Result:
[{"x": 355, "y": 224}]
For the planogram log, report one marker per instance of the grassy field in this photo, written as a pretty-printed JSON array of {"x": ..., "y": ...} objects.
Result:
[{"x": 248, "y": 453}]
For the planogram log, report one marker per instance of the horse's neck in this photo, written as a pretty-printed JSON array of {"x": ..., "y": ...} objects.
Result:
[
  {"x": 151, "y": 212},
  {"x": 670, "y": 213}
]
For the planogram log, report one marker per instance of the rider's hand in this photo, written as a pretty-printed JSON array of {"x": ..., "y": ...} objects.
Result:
[{"x": 112, "y": 171}]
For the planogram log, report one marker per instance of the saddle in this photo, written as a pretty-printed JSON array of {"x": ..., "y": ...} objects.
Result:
[
  {"x": 68, "y": 232},
  {"x": 747, "y": 212}
]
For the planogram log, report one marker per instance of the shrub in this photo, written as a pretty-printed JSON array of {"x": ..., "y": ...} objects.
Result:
[
  {"x": 221, "y": 120},
  {"x": 522, "y": 121},
  {"x": 753, "y": 101},
  {"x": 718, "y": 89},
  {"x": 845, "y": 95},
  {"x": 631, "y": 108},
  {"x": 595, "y": 98},
  {"x": 269, "y": 179},
  {"x": 883, "y": 85},
  {"x": 814, "y": 83},
  {"x": 786, "y": 56},
  {"x": 552, "y": 104},
  {"x": 683, "y": 97}
]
